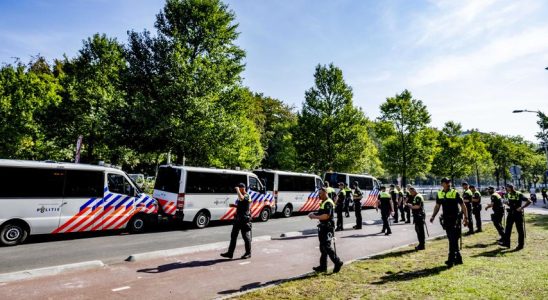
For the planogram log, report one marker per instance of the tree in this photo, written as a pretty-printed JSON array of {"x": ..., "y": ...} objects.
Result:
[
  {"x": 24, "y": 92},
  {"x": 453, "y": 158},
  {"x": 477, "y": 154},
  {"x": 408, "y": 144},
  {"x": 184, "y": 84},
  {"x": 331, "y": 133}
]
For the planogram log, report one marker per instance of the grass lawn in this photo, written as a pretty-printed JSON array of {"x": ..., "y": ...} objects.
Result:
[{"x": 489, "y": 272}]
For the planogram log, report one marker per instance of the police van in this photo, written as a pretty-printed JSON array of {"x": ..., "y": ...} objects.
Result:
[
  {"x": 51, "y": 197},
  {"x": 201, "y": 195},
  {"x": 368, "y": 184},
  {"x": 293, "y": 192}
]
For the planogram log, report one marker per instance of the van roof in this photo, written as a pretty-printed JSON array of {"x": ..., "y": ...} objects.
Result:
[
  {"x": 53, "y": 165},
  {"x": 285, "y": 172},
  {"x": 209, "y": 170},
  {"x": 351, "y": 174}
]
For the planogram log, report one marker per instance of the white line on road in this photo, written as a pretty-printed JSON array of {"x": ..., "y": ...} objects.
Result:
[
  {"x": 245, "y": 263},
  {"x": 121, "y": 288}
]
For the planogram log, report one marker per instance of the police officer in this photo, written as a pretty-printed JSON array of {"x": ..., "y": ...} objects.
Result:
[
  {"x": 357, "y": 196},
  {"x": 401, "y": 203},
  {"x": 467, "y": 197},
  {"x": 498, "y": 211},
  {"x": 242, "y": 223},
  {"x": 417, "y": 207},
  {"x": 544, "y": 193},
  {"x": 330, "y": 191},
  {"x": 407, "y": 199},
  {"x": 339, "y": 207},
  {"x": 450, "y": 200},
  {"x": 387, "y": 209},
  {"x": 394, "y": 195},
  {"x": 514, "y": 201},
  {"x": 347, "y": 199},
  {"x": 325, "y": 233},
  {"x": 476, "y": 207}
]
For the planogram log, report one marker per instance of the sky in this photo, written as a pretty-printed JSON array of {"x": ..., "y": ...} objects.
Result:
[{"x": 470, "y": 61}]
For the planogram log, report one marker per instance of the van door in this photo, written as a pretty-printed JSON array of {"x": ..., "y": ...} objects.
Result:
[
  {"x": 82, "y": 202},
  {"x": 119, "y": 202}
]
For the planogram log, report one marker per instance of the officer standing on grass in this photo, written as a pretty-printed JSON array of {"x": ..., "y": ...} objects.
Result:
[
  {"x": 339, "y": 207},
  {"x": 450, "y": 200},
  {"x": 467, "y": 197},
  {"x": 326, "y": 233},
  {"x": 514, "y": 200},
  {"x": 357, "y": 196},
  {"x": 498, "y": 211},
  {"x": 242, "y": 223},
  {"x": 387, "y": 209},
  {"x": 417, "y": 207},
  {"x": 476, "y": 207},
  {"x": 394, "y": 195}
]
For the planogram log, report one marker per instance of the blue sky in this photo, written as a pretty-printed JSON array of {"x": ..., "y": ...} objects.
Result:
[{"x": 472, "y": 61}]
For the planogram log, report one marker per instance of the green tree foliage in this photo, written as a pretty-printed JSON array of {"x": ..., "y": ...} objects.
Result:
[
  {"x": 453, "y": 158},
  {"x": 331, "y": 133},
  {"x": 186, "y": 82},
  {"x": 478, "y": 156},
  {"x": 24, "y": 92},
  {"x": 408, "y": 145}
]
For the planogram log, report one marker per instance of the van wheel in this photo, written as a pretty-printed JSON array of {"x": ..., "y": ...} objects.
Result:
[
  {"x": 137, "y": 224},
  {"x": 287, "y": 211},
  {"x": 201, "y": 220},
  {"x": 264, "y": 215},
  {"x": 13, "y": 234}
]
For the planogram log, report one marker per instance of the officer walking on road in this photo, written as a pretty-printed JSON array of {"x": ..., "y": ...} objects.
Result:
[
  {"x": 467, "y": 197},
  {"x": 450, "y": 200},
  {"x": 326, "y": 233},
  {"x": 347, "y": 199},
  {"x": 387, "y": 209},
  {"x": 476, "y": 207},
  {"x": 498, "y": 211},
  {"x": 407, "y": 199},
  {"x": 394, "y": 195},
  {"x": 417, "y": 207},
  {"x": 339, "y": 207},
  {"x": 544, "y": 193},
  {"x": 357, "y": 196},
  {"x": 515, "y": 209},
  {"x": 242, "y": 223}
]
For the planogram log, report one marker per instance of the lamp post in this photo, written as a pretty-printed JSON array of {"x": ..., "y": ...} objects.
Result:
[{"x": 544, "y": 139}]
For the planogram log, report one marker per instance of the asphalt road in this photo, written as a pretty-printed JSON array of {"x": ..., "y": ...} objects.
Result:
[{"x": 115, "y": 247}]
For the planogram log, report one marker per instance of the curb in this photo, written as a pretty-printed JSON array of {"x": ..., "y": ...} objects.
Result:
[
  {"x": 48, "y": 271},
  {"x": 189, "y": 250},
  {"x": 305, "y": 233}
]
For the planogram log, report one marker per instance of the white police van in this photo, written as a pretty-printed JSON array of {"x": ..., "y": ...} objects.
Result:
[
  {"x": 368, "y": 184},
  {"x": 200, "y": 195},
  {"x": 51, "y": 197},
  {"x": 293, "y": 192}
]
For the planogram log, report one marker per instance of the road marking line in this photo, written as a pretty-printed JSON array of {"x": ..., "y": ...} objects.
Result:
[
  {"x": 245, "y": 263},
  {"x": 121, "y": 288}
]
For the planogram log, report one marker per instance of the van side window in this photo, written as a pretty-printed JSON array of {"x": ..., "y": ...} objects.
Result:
[
  {"x": 363, "y": 182},
  {"x": 168, "y": 180},
  {"x": 119, "y": 185},
  {"x": 254, "y": 184},
  {"x": 84, "y": 184},
  {"x": 212, "y": 183},
  {"x": 31, "y": 182},
  {"x": 291, "y": 183}
]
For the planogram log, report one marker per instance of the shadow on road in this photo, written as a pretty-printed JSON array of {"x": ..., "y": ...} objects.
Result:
[
  {"x": 249, "y": 286},
  {"x": 406, "y": 276},
  {"x": 363, "y": 235},
  {"x": 180, "y": 265}
]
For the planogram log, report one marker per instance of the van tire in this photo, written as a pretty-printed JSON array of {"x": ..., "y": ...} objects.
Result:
[
  {"x": 137, "y": 224},
  {"x": 264, "y": 215},
  {"x": 202, "y": 219},
  {"x": 287, "y": 211},
  {"x": 13, "y": 233}
]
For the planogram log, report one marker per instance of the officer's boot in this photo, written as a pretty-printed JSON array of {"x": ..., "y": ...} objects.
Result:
[
  {"x": 458, "y": 259},
  {"x": 450, "y": 260},
  {"x": 320, "y": 269}
]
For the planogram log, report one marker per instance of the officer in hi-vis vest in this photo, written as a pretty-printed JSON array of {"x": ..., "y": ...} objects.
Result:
[
  {"x": 476, "y": 207},
  {"x": 449, "y": 199},
  {"x": 326, "y": 232},
  {"x": 498, "y": 211},
  {"x": 387, "y": 209},
  {"x": 514, "y": 200},
  {"x": 417, "y": 207},
  {"x": 467, "y": 198}
]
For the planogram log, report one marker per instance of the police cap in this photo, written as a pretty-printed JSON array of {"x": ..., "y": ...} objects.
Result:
[{"x": 445, "y": 180}]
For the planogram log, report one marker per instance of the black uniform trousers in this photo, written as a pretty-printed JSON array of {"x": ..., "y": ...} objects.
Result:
[
  {"x": 395, "y": 203},
  {"x": 453, "y": 231},
  {"x": 358, "y": 212},
  {"x": 497, "y": 222},
  {"x": 419, "y": 229},
  {"x": 476, "y": 211},
  {"x": 517, "y": 218},
  {"x": 325, "y": 235},
  {"x": 347, "y": 206},
  {"x": 469, "y": 216},
  {"x": 339, "y": 209},
  {"x": 385, "y": 214},
  {"x": 405, "y": 213},
  {"x": 245, "y": 229}
]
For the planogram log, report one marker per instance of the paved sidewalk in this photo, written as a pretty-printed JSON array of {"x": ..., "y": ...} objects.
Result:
[{"x": 205, "y": 274}]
